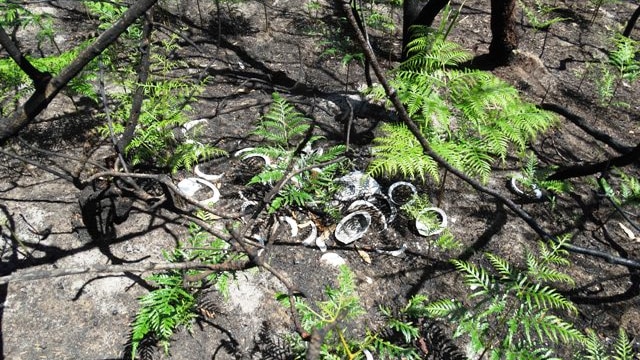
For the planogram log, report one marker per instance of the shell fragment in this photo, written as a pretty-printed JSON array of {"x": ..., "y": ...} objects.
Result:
[
  {"x": 352, "y": 227},
  {"x": 426, "y": 229}
]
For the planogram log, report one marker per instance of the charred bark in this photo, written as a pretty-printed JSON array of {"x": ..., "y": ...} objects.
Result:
[
  {"x": 504, "y": 38},
  {"x": 416, "y": 12},
  {"x": 632, "y": 23}
]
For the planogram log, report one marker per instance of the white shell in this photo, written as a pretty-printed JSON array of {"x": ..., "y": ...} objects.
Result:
[
  {"x": 398, "y": 184},
  {"x": 310, "y": 240},
  {"x": 190, "y": 186},
  {"x": 267, "y": 161},
  {"x": 293, "y": 225},
  {"x": 356, "y": 185},
  {"x": 242, "y": 151},
  {"x": 209, "y": 177},
  {"x": 352, "y": 227},
  {"x": 398, "y": 252},
  {"x": 514, "y": 185},
  {"x": 365, "y": 205},
  {"x": 332, "y": 259},
  {"x": 384, "y": 204},
  {"x": 367, "y": 354},
  {"x": 193, "y": 123},
  {"x": 321, "y": 244},
  {"x": 425, "y": 230}
]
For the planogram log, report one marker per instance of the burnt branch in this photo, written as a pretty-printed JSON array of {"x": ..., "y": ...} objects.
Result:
[
  {"x": 39, "y": 78},
  {"x": 102, "y": 269},
  {"x": 582, "y": 124},
  {"x": 574, "y": 171},
  {"x": 47, "y": 91},
  {"x": 138, "y": 95}
]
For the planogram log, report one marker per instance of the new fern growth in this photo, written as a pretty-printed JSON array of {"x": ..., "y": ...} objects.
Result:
[
  {"x": 471, "y": 118},
  {"x": 338, "y": 315},
  {"x": 283, "y": 128},
  {"x": 171, "y": 305},
  {"x": 167, "y": 98},
  {"x": 514, "y": 313}
]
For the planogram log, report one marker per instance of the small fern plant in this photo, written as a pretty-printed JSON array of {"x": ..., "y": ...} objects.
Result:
[
  {"x": 621, "y": 66},
  {"x": 167, "y": 98},
  {"x": 595, "y": 350},
  {"x": 513, "y": 313},
  {"x": 471, "y": 118},
  {"x": 164, "y": 111},
  {"x": 171, "y": 304},
  {"x": 337, "y": 317},
  {"x": 282, "y": 129},
  {"x": 622, "y": 188},
  {"x": 532, "y": 177},
  {"x": 414, "y": 209}
]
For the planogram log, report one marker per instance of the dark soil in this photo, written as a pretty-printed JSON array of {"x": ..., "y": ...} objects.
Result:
[{"x": 87, "y": 316}]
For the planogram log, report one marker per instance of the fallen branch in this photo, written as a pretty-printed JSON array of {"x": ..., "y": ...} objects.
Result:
[
  {"x": 404, "y": 117},
  {"x": 106, "y": 269},
  {"x": 582, "y": 124},
  {"x": 593, "y": 168}
]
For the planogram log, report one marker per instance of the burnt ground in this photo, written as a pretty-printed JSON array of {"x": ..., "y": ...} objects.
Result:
[{"x": 87, "y": 316}]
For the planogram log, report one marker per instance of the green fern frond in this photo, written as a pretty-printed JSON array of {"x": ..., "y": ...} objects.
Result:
[
  {"x": 162, "y": 311},
  {"x": 468, "y": 156},
  {"x": 270, "y": 176},
  {"x": 538, "y": 266},
  {"x": 186, "y": 155},
  {"x": 282, "y": 124},
  {"x": 501, "y": 265},
  {"x": 399, "y": 153},
  {"x": 470, "y": 118},
  {"x": 557, "y": 254},
  {"x": 555, "y": 328},
  {"x": 432, "y": 53},
  {"x": 475, "y": 277},
  {"x": 443, "y": 308},
  {"x": 594, "y": 350},
  {"x": 544, "y": 297},
  {"x": 622, "y": 347}
]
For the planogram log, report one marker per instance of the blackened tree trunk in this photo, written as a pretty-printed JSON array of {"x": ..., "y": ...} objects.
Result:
[
  {"x": 631, "y": 23},
  {"x": 503, "y": 30},
  {"x": 503, "y": 26},
  {"x": 417, "y": 12}
]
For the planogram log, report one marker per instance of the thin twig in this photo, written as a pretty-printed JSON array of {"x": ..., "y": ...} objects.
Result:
[
  {"x": 40, "y": 166},
  {"x": 115, "y": 269}
]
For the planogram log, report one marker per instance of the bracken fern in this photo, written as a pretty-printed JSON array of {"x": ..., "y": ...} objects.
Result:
[
  {"x": 514, "y": 313},
  {"x": 471, "y": 118}
]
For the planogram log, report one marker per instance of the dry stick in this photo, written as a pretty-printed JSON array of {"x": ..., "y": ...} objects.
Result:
[
  {"x": 402, "y": 113},
  {"x": 43, "y": 95},
  {"x": 38, "y": 77},
  {"x": 138, "y": 95},
  {"x": 115, "y": 269},
  {"x": 107, "y": 113}
]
